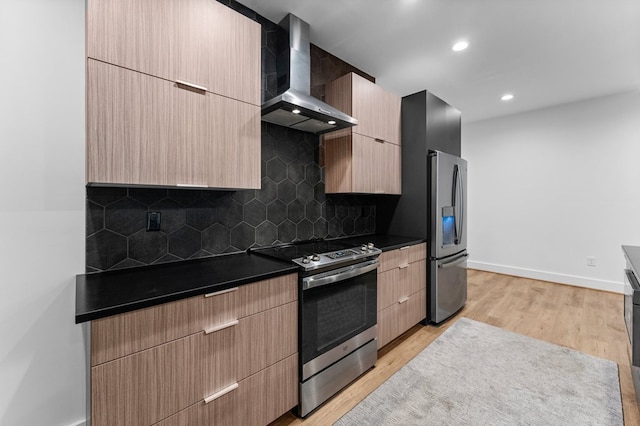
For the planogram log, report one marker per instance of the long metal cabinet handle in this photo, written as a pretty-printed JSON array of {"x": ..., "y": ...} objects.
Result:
[
  {"x": 341, "y": 275},
  {"x": 404, "y": 265},
  {"x": 220, "y": 393},
  {"x": 220, "y": 327},
  {"x": 192, "y": 185},
  {"x": 193, "y": 86},
  {"x": 379, "y": 140},
  {"x": 404, "y": 299},
  {"x": 217, "y": 293},
  {"x": 454, "y": 262}
]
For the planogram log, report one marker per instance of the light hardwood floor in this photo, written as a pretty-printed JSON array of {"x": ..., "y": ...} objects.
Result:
[{"x": 587, "y": 320}]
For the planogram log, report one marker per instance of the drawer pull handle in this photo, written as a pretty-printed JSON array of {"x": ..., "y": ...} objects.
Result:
[
  {"x": 405, "y": 265},
  {"x": 220, "y": 327},
  {"x": 404, "y": 299},
  {"x": 380, "y": 140},
  {"x": 229, "y": 290},
  {"x": 404, "y": 248},
  {"x": 191, "y": 185},
  {"x": 220, "y": 393},
  {"x": 193, "y": 86},
  {"x": 379, "y": 191}
]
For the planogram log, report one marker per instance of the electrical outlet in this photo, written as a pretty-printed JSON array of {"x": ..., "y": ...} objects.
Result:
[
  {"x": 153, "y": 221},
  {"x": 591, "y": 261}
]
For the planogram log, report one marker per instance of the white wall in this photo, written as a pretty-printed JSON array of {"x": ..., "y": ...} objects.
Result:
[
  {"x": 550, "y": 187},
  {"x": 42, "y": 361}
]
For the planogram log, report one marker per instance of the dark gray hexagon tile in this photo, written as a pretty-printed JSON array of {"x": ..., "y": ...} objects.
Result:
[
  {"x": 286, "y": 191},
  {"x": 243, "y": 236},
  {"x": 244, "y": 196},
  {"x": 320, "y": 228},
  {"x": 359, "y": 225},
  {"x": 184, "y": 242},
  {"x": 370, "y": 224},
  {"x": 230, "y": 213},
  {"x": 295, "y": 172},
  {"x": 276, "y": 170},
  {"x": 305, "y": 153},
  {"x": 127, "y": 263},
  {"x": 184, "y": 196},
  {"x": 268, "y": 146},
  {"x": 304, "y": 230},
  {"x": 312, "y": 173},
  {"x": 147, "y": 247},
  {"x": 329, "y": 210},
  {"x": 173, "y": 216},
  {"x": 95, "y": 218},
  {"x": 276, "y": 212},
  {"x": 105, "y": 249},
  {"x": 287, "y": 231},
  {"x": 266, "y": 234},
  {"x": 287, "y": 147},
  {"x": 355, "y": 211},
  {"x": 105, "y": 196},
  {"x": 318, "y": 192},
  {"x": 313, "y": 210},
  {"x": 295, "y": 211},
  {"x": 126, "y": 216},
  {"x": 348, "y": 226},
  {"x": 201, "y": 214},
  {"x": 216, "y": 239},
  {"x": 217, "y": 197},
  {"x": 255, "y": 212},
  {"x": 304, "y": 192},
  {"x": 147, "y": 195},
  {"x": 335, "y": 227},
  {"x": 268, "y": 192},
  {"x": 342, "y": 211}
]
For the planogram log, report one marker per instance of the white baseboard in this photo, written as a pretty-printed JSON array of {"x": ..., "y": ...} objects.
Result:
[{"x": 616, "y": 287}]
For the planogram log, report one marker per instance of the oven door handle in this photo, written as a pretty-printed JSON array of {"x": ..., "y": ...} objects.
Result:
[{"x": 339, "y": 275}]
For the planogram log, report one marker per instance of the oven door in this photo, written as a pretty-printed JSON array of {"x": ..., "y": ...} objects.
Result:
[{"x": 338, "y": 313}]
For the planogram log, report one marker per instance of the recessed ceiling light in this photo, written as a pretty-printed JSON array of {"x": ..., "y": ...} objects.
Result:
[
  {"x": 507, "y": 97},
  {"x": 460, "y": 45},
  {"x": 331, "y": 122},
  {"x": 296, "y": 111}
]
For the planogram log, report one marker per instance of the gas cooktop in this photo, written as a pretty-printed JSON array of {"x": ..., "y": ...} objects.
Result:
[{"x": 316, "y": 254}]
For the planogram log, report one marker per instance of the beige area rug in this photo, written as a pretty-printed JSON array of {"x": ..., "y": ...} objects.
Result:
[{"x": 477, "y": 374}]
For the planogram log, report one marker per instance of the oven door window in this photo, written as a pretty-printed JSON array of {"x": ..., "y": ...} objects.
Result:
[{"x": 334, "y": 313}]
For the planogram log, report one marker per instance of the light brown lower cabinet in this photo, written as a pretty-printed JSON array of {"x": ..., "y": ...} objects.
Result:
[
  {"x": 236, "y": 362},
  {"x": 402, "y": 297}
]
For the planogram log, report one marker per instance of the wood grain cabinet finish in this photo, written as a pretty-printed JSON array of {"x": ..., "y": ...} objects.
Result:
[
  {"x": 150, "y": 364},
  {"x": 365, "y": 158},
  {"x": 402, "y": 281},
  {"x": 201, "y": 42},
  {"x": 173, "y": 94}
]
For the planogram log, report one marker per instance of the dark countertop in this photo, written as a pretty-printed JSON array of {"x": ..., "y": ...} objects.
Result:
[
  {"x": 632, "y": 253},
  {"x": 384, "y": 242},
  {"x": 103, "y": 294}
]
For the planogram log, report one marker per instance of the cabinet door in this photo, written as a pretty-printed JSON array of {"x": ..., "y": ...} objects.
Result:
[
  {"x": 365, "y": 162},
  {"x": 129, "y": 126},
  {"x": 365, "y": 106},
  {"x": 389, "y": 163},
  {"x": 391, "y": 119},
  {"x": 198, "y": 41}
]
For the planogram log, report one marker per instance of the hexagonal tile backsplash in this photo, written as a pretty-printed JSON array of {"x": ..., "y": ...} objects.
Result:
[{"x": 290, "y": 206}]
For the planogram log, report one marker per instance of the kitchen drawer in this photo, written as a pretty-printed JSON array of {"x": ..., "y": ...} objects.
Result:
[
  {"x": 401, "y": 316},
  {"x": 257, "y": 400},
  {"x": 150, "y": 385},
  {"x": 402, "y": 256},
  {"x": 131, "y": 332},
  {"x": 397, "y": 283}
]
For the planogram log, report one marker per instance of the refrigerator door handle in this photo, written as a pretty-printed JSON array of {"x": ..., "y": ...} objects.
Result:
[
  {"x": 454, "y": 202},
  {"x": 453, "y": 262},
  {"x": 461, "y": 208}
]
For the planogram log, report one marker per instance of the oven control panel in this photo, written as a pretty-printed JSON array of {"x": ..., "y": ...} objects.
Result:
[
  {"x": 335, "y": 258},
  {"x": 341, "y": 253}
]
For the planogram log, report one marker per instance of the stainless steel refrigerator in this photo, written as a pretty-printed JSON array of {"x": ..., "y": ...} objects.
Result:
[
  {"x": 447, "y": 263},
  {"x": 434, "y": 198}
]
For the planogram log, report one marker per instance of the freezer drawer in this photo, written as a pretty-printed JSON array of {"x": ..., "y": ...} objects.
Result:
[{"x": 448, "y": 286}]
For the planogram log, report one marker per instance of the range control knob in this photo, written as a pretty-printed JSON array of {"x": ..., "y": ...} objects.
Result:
[
  {"x": 305, "y": 259},
  {"x": 315, "y": 257},
  {"x": 364, "y": 247},
  {"x": 370, "y": 246}
]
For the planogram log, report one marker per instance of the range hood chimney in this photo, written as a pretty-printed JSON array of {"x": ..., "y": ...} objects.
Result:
[{"x": 294, "y": 106}]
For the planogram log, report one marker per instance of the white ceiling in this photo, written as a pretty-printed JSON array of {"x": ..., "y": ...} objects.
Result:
[{"x": 545, "y": 52}]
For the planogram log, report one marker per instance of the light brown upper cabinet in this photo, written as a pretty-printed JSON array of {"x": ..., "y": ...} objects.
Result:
[
  {"x": 377, "y": 111},
  {"x": 173, "y": 94},
  {"x": 200, "y": 42},
  {"x": 365, "y": 158}
]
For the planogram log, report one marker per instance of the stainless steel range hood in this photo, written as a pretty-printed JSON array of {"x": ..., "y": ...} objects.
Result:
[{"x": 294, "y": 106}]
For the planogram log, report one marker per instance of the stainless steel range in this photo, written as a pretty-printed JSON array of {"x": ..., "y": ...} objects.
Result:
[{"x": 337, "y": 331}]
